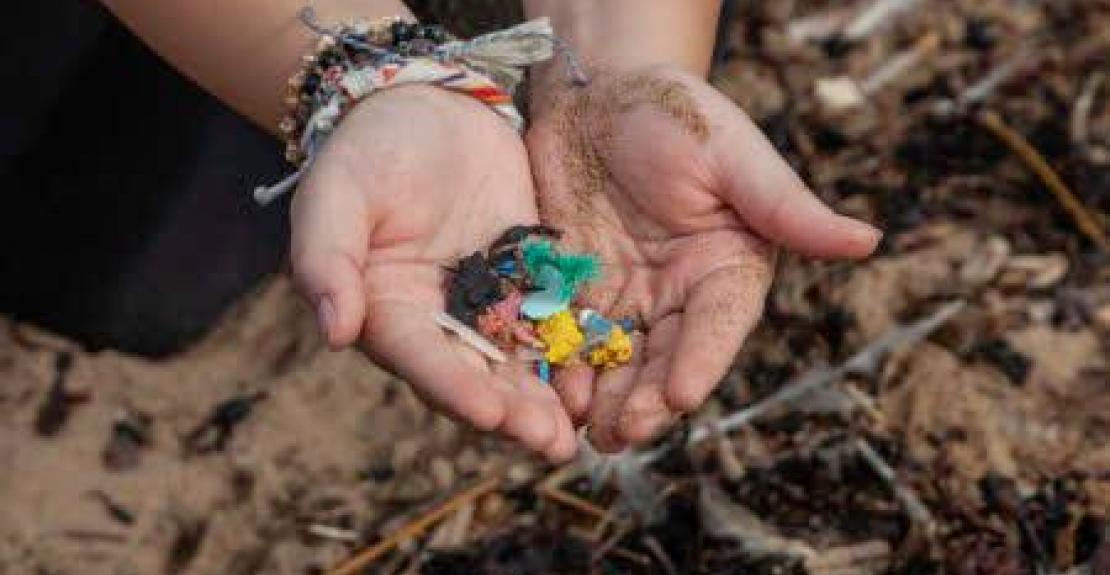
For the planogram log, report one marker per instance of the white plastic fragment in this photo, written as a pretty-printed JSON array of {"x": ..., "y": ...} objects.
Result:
[
  {"x": 839, "y": 93},
  {"x": 470, "y": 337}
]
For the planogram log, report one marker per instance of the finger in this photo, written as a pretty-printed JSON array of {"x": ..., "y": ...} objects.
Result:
[
  {"x": 330, "y": 230},
  {"x": 770, "y": 197},
  {"x": 610, "y": 391},
  {"x": 720, "y": 312},
  {"x": 646, "y": 413},
  {"x": 533, "y": 410},
  {"x": 575, "y": 384},
  {"x": 407, "y": 341},
  {"x": 613, "y": 388},
  {"x": 565, "y": 445}
]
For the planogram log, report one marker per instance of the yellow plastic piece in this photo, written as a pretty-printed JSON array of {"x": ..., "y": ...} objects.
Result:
[
  {"x": 615, "y": 352},
  {"x": 561, "y": 336}
]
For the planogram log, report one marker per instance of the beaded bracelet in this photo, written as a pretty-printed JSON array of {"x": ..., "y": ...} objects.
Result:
[{"x": 357, "y": 59}]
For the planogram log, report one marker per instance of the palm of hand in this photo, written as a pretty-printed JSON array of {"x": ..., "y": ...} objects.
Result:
[
  {"x": 413, "y": 180},
  {"x": 676, "y": 191}
]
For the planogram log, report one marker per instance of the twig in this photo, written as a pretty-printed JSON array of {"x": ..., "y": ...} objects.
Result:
[
  {"x": 610, "y": 543},
  {"x": 819, "y": 26},
  {"x": 1081, "y": 119},
  {"x": 1084, "y": 220},
  {"x": 900, "y": 63},
  {"x": 574, "y": 502},
  {"x": 560, "y": 476},
  {"x": 629, "y": 555},
  {"x": 334, "y": 533},
  {"x": 1025, "y": 58},
  {"x": 362, "y": 560},
  {"x": 913, "y": 505},
  {"x": 865, "y": 402},
  {"x": 656, "y": 549},
  {"x": 599, "y": 529},
  {"x": 869, "y": 20},
  {"x": 551, "y": 488},
  {"x": 453, "y": 532},
  {"x": 1081, "y": 113},
  {"x": 865, "y": 361}
]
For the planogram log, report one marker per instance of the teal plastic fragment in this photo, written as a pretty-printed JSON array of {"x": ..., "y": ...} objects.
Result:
[{"x": 574, "y": 269}]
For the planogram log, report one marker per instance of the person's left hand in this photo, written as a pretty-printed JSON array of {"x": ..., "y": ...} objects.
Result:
[
  {"x": 415, "y": 178},
  {"x": 684, "y": 199}
]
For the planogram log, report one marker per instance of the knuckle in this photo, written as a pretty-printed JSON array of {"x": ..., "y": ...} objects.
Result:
[{"x": 487, "y": 416}]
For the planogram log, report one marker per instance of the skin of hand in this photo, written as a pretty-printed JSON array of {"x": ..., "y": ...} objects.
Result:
[
  {"x": 413, "y": 179},
  {"x": 685, "y": 200},
  {"x": 242, "y": 51}
]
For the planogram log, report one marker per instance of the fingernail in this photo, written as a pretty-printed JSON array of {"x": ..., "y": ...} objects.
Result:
[
  {"x": 868, "y": 233},
  {"x": 325, "y": 316}
]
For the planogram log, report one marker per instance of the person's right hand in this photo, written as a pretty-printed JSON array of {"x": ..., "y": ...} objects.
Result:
[
  {"x": 413, "y": 179},
  {"x": 685, "y": 201}
]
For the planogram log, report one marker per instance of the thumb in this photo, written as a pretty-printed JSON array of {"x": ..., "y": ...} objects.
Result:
[
  {"x": 330, "y": 229},
  {"x": 771, "y": 199}
]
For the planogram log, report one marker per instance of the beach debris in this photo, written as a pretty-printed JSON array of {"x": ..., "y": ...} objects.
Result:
[
  {"x": 839, "y": 93},
  {"x": 55, "y": 408},
  {"x": 517, "y": 300},
  {"x": 1011, "y": 362},
  {"x": 216, "y": 430},
  {"x": 131, "y": 432},
  {"x": 870, "y": 19},
  {"x": 865, "y": 558},
  {"x": 909, "y": 499},
  {"x": 470, "y": 337},
  {"x": 723, "y": 518},
  {"x": 1087, "y": 223},
  {"x": 366, "y": 557},
  {"x": 866, "y": 361},
  {"x": 1034, "y": 271},
  {"x": 117, "y": 512},
  {"x": 332, "y": 533}
]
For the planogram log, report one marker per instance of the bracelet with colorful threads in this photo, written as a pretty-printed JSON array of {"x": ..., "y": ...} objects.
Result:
[{"x": 355, "y": 60}]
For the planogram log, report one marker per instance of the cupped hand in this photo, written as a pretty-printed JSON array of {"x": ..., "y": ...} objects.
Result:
[
  {"x": 412, "y": 180},
  {"x": 685, "y": 201}
]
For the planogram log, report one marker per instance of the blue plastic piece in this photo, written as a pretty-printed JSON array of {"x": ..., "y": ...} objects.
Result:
[
  {"x": 546, "y": 303},
  {"x": 627, "y": 324},
  {"x": 597, "y": 328},
  {"x": 543, "y": 369},
  {"x": 506, "y": 268}
]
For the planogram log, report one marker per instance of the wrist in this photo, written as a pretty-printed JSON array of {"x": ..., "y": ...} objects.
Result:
[{"x": 622, "y": 36}]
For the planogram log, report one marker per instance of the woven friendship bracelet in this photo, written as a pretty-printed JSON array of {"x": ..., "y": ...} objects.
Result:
[{"x": 355, "y": 60}]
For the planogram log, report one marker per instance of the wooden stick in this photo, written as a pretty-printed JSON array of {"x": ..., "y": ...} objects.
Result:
[
  {"x": 906, "y": 496},
  {"x": 609, "y": 544},
  {"x": 656, "y": 549},
  {"x": 551, "y": 488},
  {"x": 1087, "y": 223},
  {"x": 574, "y": 502},
  {"x": 629, "y": 555},
  {"x": 356, "y": 564},
  {"x": 598, "y": 532}
]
